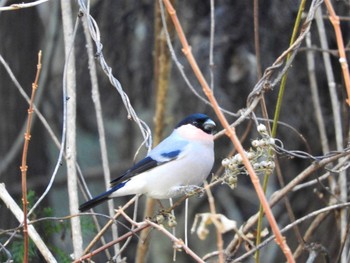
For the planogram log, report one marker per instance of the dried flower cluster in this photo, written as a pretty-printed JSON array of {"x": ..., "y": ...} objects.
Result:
[{"x": 261, "y": 155}]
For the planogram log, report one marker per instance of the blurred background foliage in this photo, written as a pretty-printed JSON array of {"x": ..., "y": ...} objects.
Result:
[{"x": 127, "y": 34}]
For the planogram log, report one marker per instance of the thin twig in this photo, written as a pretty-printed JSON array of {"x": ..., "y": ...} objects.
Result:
[
  {"x": 310, "y": 58},
  {"x": 22, "y": 5},
  {"x": 308, "y": 234},
  {"x": 342, "y": 56}
]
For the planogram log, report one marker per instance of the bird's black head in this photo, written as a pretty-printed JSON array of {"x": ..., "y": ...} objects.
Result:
[{"x": 200, "y": 121}]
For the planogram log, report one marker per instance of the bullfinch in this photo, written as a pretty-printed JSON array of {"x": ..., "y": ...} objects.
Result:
[{"x": 182, "y": 160}]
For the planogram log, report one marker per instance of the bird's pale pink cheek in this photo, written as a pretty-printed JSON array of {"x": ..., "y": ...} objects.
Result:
[
  {"x": 192, "y": 133},
  {"x": 203, "y": 136}
]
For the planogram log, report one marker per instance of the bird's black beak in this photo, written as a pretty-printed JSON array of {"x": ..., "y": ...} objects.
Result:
[{"x": 209, "y": 126}]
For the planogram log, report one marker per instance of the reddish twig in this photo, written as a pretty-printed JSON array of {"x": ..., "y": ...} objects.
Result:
[
  {"x": 342, "y": 57},
  {"x": 230, "y": 132},
  {"x": 24, "y": 166},
  {"x": 112, "y": 243},
  {"x": 109, "y": 223}
]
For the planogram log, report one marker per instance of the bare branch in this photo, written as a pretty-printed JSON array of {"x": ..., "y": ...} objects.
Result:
[{"x": 22, "y": 5}]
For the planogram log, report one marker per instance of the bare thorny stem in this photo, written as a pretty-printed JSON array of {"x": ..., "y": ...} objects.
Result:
[
  {"x": 230, "y": 132},
  {"x": 24, "y": 166},
  {"x": 342, "y": 56}
]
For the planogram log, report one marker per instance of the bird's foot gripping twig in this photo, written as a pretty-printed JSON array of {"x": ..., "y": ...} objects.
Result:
[
  {"x": 190, "y": 190},
  {"x": 167, "y": 216}
]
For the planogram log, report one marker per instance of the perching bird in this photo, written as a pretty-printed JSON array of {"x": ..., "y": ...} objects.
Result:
[{"x": 181, "y": 161}]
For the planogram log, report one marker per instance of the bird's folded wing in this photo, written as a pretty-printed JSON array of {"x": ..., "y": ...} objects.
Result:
[
  {"x": 158, "y": 156},
  {"x": 142, "y": 166}
]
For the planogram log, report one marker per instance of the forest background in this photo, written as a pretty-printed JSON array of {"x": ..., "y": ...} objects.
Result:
[{"x": 106, "y": 72}]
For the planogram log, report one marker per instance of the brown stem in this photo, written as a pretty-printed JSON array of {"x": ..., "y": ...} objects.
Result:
[{"x": 24, "y": 166}]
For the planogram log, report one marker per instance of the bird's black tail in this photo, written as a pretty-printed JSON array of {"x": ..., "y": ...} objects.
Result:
[
  {"x": 100, "y": 198},
  {"x": 94, "y": 201}
]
